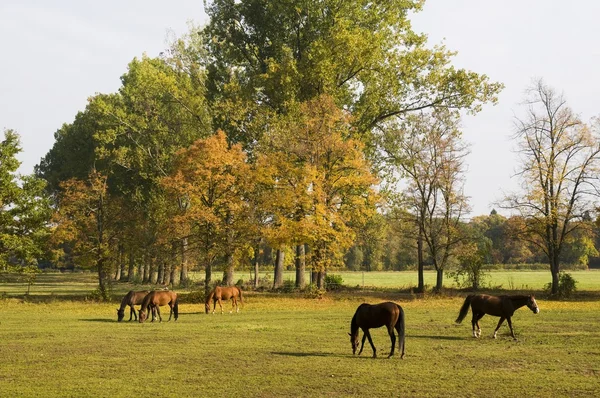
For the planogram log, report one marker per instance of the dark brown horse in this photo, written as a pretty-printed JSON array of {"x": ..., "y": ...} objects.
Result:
[
  {"x": 156, "y": 299},
  {"x": 224, "y": 293},
  {"x": 502, "y": 306},
  {"x": 131, "y": 299},
  {"x": 368, "y": 316}
]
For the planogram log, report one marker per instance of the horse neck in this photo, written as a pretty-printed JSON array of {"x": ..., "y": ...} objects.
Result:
[
  {"x": 519, "y": 301},
  {"x": 209, "y": 297},
  {"x": 353, "y": 326},
  {"x": 124, "y": 302},
  {"x": 146, "y": 302}
]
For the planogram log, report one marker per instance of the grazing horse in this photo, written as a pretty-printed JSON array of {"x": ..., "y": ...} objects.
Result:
[
  {"x": 156, "y": 299},
  {"x": 368, "y": 316},
  {"x": 502, "y": 306},
  {"x": 223, "y": 293},
  {"x": 131, "y": 298}
]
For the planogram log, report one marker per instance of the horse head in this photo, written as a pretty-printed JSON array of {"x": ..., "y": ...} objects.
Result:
[
  {"x": 120, "y": 314},
  {"x": 207, "y": 307},
  {"x": 354, "y": 342},
  {"x": 142, "y": 316},
  {"x": 532, "y": 305}
]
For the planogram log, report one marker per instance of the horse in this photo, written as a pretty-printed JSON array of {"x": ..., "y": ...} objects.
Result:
[
  {"x": 224, "y": 293},
  {"x": 502, "y": 306},
  {"x": 368, "y": 316},
  {"x": 156, "y": 299},
  {"x": 131, "y": 298}
]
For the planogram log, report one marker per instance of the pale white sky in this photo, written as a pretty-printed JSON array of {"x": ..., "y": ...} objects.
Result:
[{"x": 55, "y": 54}]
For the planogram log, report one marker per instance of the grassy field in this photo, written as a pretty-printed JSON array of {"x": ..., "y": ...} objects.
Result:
[{"x": 289, "y": 345}]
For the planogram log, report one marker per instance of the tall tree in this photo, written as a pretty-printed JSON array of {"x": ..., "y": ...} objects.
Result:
[
  {"x": 428, "y": 152},
  {"x": 86, "y": 220},
  {"x": 362, "y": 53},
  {"x": 24, "y": 209},
  {"x": 214, "y": 179},
  {"x": 559, "y": 171}
]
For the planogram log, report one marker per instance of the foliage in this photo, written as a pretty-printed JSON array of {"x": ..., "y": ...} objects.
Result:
[
  {"x": 560, "y": 160},
  {"x": 333, "y": 282},
  {"x": 24, "y": 209},
  {"x": 567, "y": 285}
]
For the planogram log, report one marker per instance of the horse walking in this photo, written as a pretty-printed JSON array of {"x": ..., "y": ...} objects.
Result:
[
  {"x": 502, "y": 306},
  {"x": 131, "y": 299},
  {"x": 220, "y": 293},
  {"x": 156, "y": 299},
  {"x": 368, "y": 316}
]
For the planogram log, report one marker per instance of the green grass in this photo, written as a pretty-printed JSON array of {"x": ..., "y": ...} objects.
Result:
[
  {"x": 279, "y": 346},
  {"x": 289, "y": 345}
]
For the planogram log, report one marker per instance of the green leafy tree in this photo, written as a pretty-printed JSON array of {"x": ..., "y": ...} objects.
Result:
[{"x": 24, "y": 209}]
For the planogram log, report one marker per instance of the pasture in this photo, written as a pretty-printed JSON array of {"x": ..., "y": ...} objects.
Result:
[{"x": 290, "y": 345}]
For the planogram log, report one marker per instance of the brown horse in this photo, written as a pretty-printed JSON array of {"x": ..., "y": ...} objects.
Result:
[
  {"x": 156, "y": 299},
  {"x": 502, "y": 306},
  {"x": 224, "y": 293},
  {"x": 368, "y": 316},
  {"x": 131, "y": 298}
]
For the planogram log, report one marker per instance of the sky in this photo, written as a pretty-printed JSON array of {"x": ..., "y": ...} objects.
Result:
[{"x": 55, "y": 54}]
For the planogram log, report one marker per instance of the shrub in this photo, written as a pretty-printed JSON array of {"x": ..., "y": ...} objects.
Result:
[
  {"x": 333, "y": 282},
  {"x": 566, "y": 286}
]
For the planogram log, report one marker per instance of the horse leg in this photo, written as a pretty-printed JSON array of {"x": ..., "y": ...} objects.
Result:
[
  {"x": 132, "y": 313},
  {"x": 510, "y": 326},
  {"x": 500, "y": 324},
  {"x": 474, "y": 322},
  {"x": 158, "y": 312},
  {"x": 363, "y": 342},
  {"x": 232, "y": 305},
  {"x": 220, "y": 305},
  {"x": 479, "y": 316},
  {"x": 171, "y": 312},
  {"x": 371, "y": 342},
  {"x": 393, "y": 338}
]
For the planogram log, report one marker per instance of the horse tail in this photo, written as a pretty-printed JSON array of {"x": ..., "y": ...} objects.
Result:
[
  {"x": 241, "y": 298},
  {"x": 176, "y": 307},
  {"x": 400, "y": 328},
  {"x": 464, "y": 310}
]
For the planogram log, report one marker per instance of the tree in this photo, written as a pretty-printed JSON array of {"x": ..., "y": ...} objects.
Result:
[
  {"x": 24, "y": 209},
  {"x": 214, "y": 179},
  {"x": 364, "y": 54},
  {"x": 323, "y": 187},
  {"x": 427, "y": 150},
  {"x": 86, "y": 220},
  {"x": 558, "y": 171}
]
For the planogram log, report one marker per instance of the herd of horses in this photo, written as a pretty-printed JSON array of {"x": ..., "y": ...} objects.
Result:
[
  {"x": 151, "y": 301},
  {"x": 366, "y": 317}
]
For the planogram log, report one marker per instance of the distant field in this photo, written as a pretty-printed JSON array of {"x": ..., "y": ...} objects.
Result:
[{"x": 81, "y": 284}]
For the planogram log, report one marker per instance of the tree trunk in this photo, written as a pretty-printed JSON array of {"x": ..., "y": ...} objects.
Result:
[
  {"x": 554, "y": 269},
  {"x": 314, "y": 276},
  {"x": 183, "y": 276},
  {"x": 122, "y": 263},
  {"x": 160, "y": 276},
  {"x": 256, "y": 262},
  {"x": 167, "y": 273},
  {"x": 102, "y": 280},
  {"x": 439, "y": 282},
  {"x": 278, "y": 274},
  {"x": 153, "y": 271},
  {"x": 300, "y": 266},
  {"x": 131, "y": 270},
  {"x": 320, "y": 280},
  {"x": 229, "y": 270},
  {"x": 420, "y": 270},
  {"x": 207, "y": 277}
]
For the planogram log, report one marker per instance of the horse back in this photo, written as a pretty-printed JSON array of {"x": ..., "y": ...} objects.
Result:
[
  {"x": 377, "y": 315},
  {"x": 492, "y": 305}
]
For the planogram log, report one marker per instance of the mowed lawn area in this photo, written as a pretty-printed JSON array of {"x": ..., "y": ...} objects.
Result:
[{"x": 291, "y": 345}]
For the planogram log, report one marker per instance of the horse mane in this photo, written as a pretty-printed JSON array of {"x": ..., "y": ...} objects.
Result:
[
  {"x": 210, "y": 296},
  {"x": 125, "y": 299},
  {"x": 354, "y": 324}
]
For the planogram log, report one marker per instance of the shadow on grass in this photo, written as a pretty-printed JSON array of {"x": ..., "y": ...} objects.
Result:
[
  {"x": 100, "y": 320},
  {"x": 436, "y": 337},
  {"x": 307, "y": 354}
]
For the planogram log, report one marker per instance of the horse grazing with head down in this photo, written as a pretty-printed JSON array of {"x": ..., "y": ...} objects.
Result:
[
  {"x": 502, "y": 306},
  {"x": 368, "y": 316},
  {"x": 224, "y": 293},
  {"x": 131, "y": 299},
  {"x": 156, "y": 299}
]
